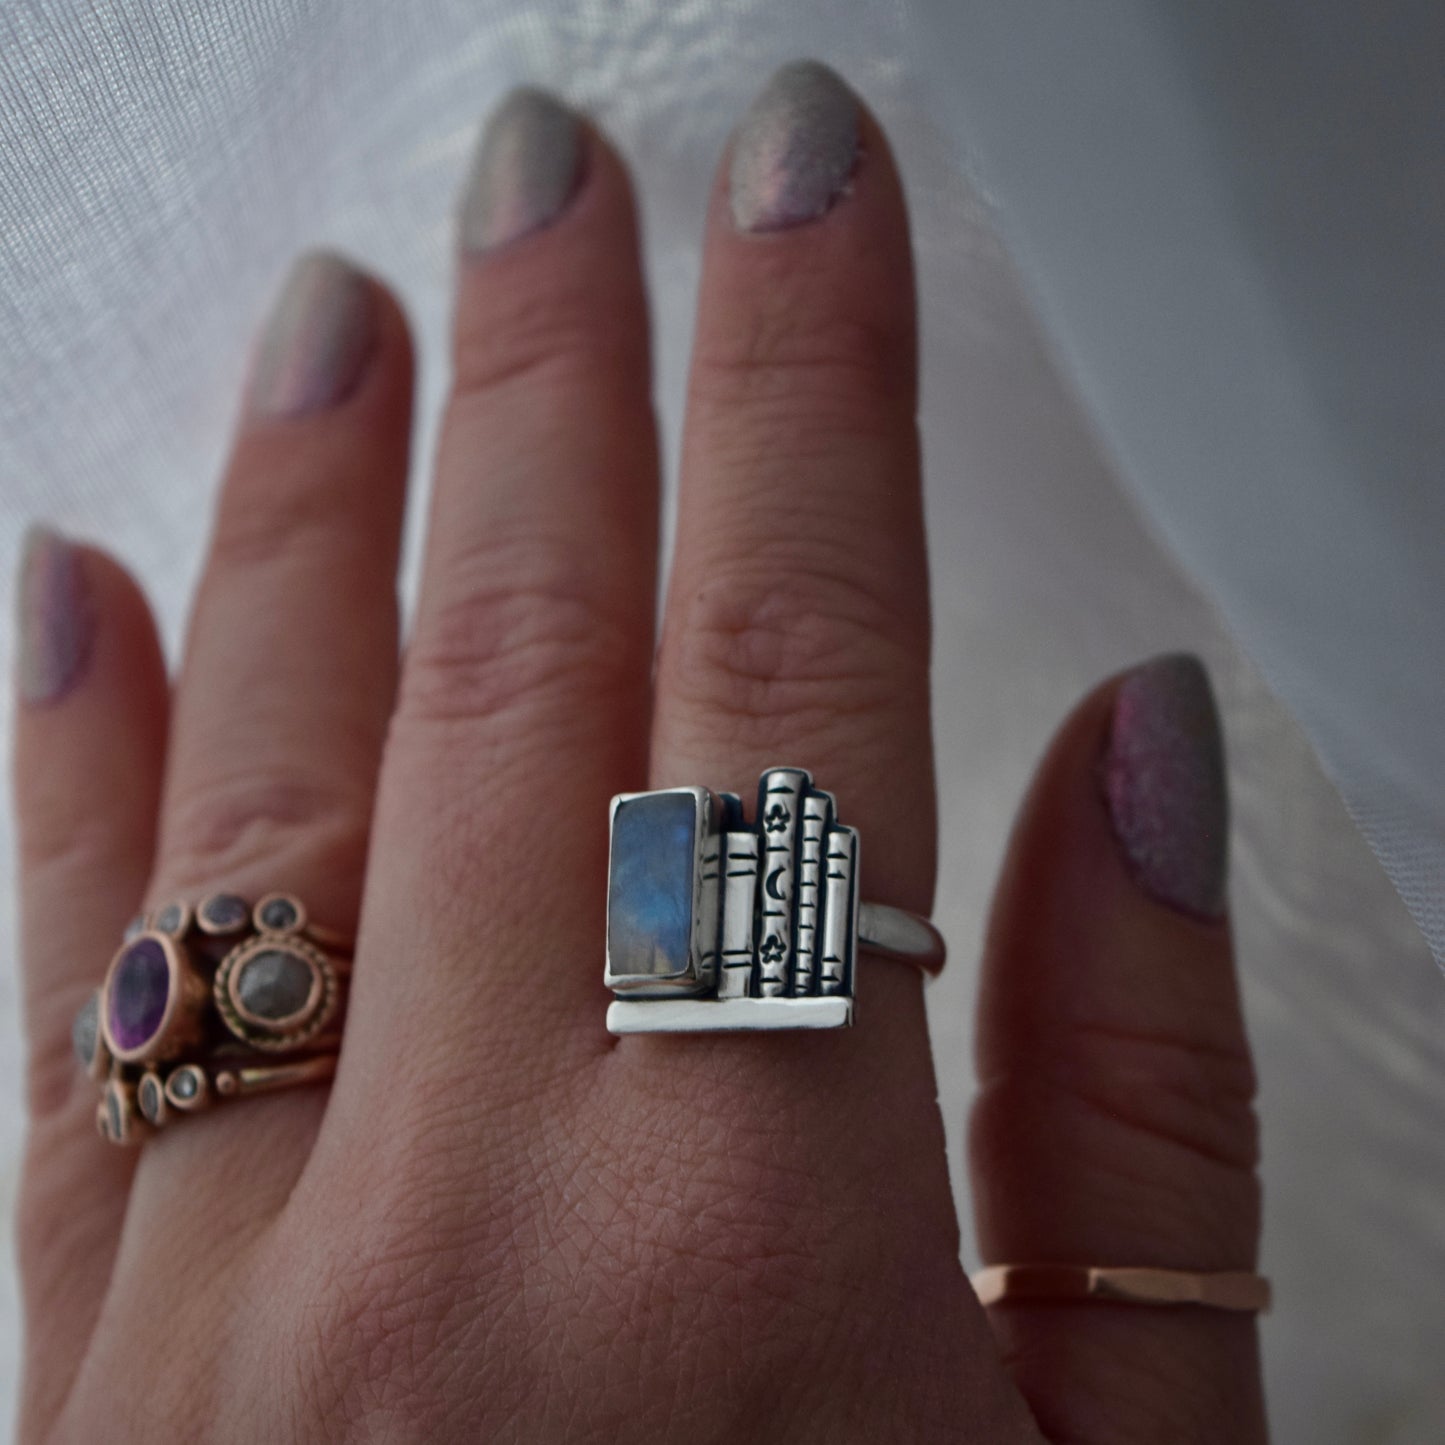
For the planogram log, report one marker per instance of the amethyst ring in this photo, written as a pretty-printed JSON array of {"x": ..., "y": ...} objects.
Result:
[{"x": 208, "y": 1001}]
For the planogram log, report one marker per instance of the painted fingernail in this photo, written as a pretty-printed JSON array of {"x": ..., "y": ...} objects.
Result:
[
  {"x": 55, "y": 618},
  {"x": 1165, "y": 784},
  {"x": 528, "y": 166},
  {"x": 795, "y": 150},
  {"x": 318, "y": 340}
]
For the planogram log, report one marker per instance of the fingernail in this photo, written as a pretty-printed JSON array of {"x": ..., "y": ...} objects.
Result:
[
  {"x": 795, "y": 150},
  {"x": 55, "y": 619},
  {"x": 528, "y": 165},
  {"x": 1165, "y": 784},
  {"x": 318, "y": 340}
]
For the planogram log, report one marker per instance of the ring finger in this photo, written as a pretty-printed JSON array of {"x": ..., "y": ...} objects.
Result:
[{"x": 290, "y": 668}]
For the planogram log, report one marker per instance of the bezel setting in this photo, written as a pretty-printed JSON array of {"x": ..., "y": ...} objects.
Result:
[
  {"x": 178, "y": 1025},
  {"x": 291, "y": 1030}
]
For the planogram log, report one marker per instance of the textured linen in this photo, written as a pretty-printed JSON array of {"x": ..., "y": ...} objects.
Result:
[{"x": 1214, "y": 423}]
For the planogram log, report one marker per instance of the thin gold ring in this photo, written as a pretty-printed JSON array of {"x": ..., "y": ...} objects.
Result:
[{"x": 1133, "y": 1285}]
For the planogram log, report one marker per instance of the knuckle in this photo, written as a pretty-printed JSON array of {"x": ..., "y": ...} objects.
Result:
[
  {"x": 230, "y": 823},
  {"x": 520, "y": 620},
  {"x": 291, "y": 512},
  {"x": 545, "y": 339},
  {"x": 817, "y": 646},
  {"x": 1165, "y": 1110},
  {"x": 1179, "y": 1087},
  {"x": 846, "y": 368},
  {"x": 62, "y": 841}
]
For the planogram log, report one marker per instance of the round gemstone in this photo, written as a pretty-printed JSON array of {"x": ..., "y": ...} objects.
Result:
[
  {"x": 274, "y": 985},
  {"x": 183, "y": 1084},
  {"x": 140, "y": 989},
  {"x": 278, "y": 914},
  {"x": 151, "y": 1099},
  {"x": 224, "y": 912},
  {"x": 170, "y": 918},
  {"x": 85, "y": 1031}
]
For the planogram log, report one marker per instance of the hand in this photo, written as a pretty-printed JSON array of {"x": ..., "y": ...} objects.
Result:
[{"x": 499, "y": 1223}]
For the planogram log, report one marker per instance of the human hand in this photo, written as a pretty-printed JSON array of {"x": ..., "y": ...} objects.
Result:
[{"x": 499, "y": 1223}]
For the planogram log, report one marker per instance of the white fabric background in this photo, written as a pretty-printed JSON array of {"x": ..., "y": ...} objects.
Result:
[{"x": 1223, "y": 224}]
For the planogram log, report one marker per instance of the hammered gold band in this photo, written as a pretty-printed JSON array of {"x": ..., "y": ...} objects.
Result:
[
  {"x": 1049, "y": 1283},
  {"x": 212, "y": 1000}
]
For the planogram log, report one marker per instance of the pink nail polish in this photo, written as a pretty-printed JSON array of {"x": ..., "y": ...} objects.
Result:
[
  {"x": 55, "y": 619},
  {"x": 317, "y": 341},
  {"x": 1164, "y": 781},
  {"x": 795, "y": 150}
]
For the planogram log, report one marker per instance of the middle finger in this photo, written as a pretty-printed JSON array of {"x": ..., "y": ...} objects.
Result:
[{"x": 523, "y": 700}]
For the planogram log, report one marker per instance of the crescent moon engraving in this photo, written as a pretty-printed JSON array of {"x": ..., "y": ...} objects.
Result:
[{"x": 768, "y": 887}]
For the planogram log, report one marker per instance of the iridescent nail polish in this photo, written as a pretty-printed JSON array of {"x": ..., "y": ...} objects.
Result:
[
  {"x": 795, "y": 150},
  {"x": 55, "y": 619},
  {"x": 1164, "y": 780},
  {"x": 318, "y": 340},
  {"x": 527, "y": 168}
]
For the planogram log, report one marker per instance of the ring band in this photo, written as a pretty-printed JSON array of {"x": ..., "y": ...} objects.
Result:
[
  {"x": 220, "y": 999},
  {"x": 1047, "y": 1283},
  {"x": 717, "y": 924}
]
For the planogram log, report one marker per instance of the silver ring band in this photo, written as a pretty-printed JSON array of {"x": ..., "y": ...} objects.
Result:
[{"x": 896, "y": 933}]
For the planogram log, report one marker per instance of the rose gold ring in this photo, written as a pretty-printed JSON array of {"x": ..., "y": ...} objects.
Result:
[
  {"x": 1052, "y": 1283},
  {"x": 207, "y": 1001}
]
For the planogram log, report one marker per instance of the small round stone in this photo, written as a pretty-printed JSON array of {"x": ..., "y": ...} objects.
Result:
[
  {"x": 85, "y": 1031},
  {"x": 139, "y": 993},
  {"x": 278, "y": 914},
  {"x": 274, "y": 984},
  {"x": 151, "y": 1098},
  {"x": 184, "y": 1084},
  {"x": 114, "y": 1115},
  {"x": 170, "y": 918},
  {"x": 224, "y": 913}
]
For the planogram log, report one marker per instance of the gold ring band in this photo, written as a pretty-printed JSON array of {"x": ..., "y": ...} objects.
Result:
[{"x": 1049, "y": 1283}]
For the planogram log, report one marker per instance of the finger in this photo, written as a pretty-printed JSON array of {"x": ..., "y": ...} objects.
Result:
[
  {"x": 797, "y": 633},
  {"x": 796, "y": 628},
  {"x": 282, "y": 705},
  {"x": 1113, "y": 1124},
  {"x": 92, "y": 685},
  {"x": 523, "y": 698}
]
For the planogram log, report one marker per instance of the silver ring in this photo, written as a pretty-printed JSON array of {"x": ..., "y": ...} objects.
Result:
[{"x": 714, "y": 923}]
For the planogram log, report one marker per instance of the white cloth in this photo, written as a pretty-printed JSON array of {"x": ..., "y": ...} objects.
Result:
[{"x": 1229, "y": 220}]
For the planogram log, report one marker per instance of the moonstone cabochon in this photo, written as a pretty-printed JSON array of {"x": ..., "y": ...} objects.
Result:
[
  {"x": 138, "y": 994},
  {"x": 650, "y": 893}
]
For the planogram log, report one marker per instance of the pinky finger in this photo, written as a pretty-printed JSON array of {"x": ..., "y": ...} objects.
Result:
[{"x": 89, "y": 750}]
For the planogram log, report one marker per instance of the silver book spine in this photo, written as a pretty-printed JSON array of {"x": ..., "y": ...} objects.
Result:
[
  {"x": 817, "y": 816},
  {"x": 779, "y": 802},
  {"x": 739, "y": 898},
  {"x": 709, "y": 899},
  {"x": 839, "y": 911}
]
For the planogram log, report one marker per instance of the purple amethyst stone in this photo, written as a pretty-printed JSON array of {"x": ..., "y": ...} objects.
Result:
[{"x": 140, "y": 989}]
